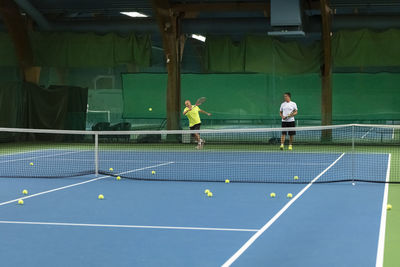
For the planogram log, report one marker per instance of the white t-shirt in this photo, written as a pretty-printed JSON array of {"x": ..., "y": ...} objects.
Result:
[{"x": 287, "y": 108}]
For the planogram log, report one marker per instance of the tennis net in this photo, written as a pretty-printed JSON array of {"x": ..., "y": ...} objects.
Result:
[{"x": 324, "y": 154}]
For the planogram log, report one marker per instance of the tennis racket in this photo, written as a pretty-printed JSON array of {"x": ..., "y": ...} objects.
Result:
[
  {"x": 200, "y": 101},
  {"x": 290, "y": 115}
]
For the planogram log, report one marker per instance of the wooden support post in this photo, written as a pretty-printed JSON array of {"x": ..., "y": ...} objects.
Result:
[
  {"x": 169, "y": 23},
  {"x": 326, "y": 70},
  {"x": 18, "y": 32}
]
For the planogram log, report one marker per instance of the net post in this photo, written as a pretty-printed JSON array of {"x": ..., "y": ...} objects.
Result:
[
  {"x": 96, "y": 153},
  {"x": 352, "y": 138}
]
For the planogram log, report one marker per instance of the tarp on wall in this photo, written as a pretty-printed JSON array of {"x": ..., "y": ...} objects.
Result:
[
  {"x": 26, "y": 105},
  {"x": 80, "y": 50},
  {"x": 261, "y": 54}
]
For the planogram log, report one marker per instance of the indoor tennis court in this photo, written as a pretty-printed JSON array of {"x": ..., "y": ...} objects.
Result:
[{"x": 199, "y": 133}]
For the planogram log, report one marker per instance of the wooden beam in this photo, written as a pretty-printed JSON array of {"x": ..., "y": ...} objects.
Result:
[
  {"x": 222, "y": 7},
  {"x": 326, "y": 68},
  {"x": 18, "y": 32},
  {"x": 169, "y": 23}
]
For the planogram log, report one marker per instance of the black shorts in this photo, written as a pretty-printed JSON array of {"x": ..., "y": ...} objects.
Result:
[
  {"x": 195, "y": 127},
  {"x": 286, "y": 124}
]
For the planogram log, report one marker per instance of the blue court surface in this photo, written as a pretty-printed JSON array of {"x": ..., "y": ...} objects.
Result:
[{"x": 173, "y": 223}]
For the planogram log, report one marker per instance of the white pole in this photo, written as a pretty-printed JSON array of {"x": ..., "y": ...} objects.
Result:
[{"x": 96, "y": 153}]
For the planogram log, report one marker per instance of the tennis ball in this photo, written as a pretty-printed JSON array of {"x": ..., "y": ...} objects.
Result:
[
  {"x": 207, "y": 191},
  {"x": 209, "y": 194},
  {"x": 389, "y": 207},
  {"x": 25, "y": 192},
  {"x": 289, "y": 195},
  {"x": 227, "y": 181},
  {"x": 110, "y": 169},
  {"x": 20, "y": 202},
  {"x": 153, "y": 172},
  {"x": 31, "y": 163},
  {"x": 272, "y": 195},
  {"x": 296, "y": 177},
  {"x": 150, "y": 109},
  {"x": 101, "y": 196},
  {"x": 118, "y": 178}
]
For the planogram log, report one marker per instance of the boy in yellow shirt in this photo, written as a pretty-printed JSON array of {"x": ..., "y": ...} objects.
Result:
[{"x": 192, "y": 113}]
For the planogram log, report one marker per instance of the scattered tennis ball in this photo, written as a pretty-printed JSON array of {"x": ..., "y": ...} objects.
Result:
[
  {"x": 296, "y": 177},
  {"x": 207, "y": 191},
  {"x": 353, "y": 183},
  {"x": 25, "y": 192},
  {"x": 227, "y": 181},
  {"x": 272, "y": 195},
  {"x": 153, "y": 172},
  {"x": 389, "y": 207},
  {"x": 31, "y": 163},
  {"x": 118, "y": 178},
  {"x": 20, "y": 202},
  {"x": 101, "y": 196},
  {"x": 209, "y": 194},
  {"x": 150, "y": 109},
  {"x": 110, "y": 169},
  {"x": 289, "y": 195}
]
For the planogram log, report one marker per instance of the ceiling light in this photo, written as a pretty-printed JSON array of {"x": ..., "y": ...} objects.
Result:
[
  {"x": 199, "y": 37},
  {"x": 134, "y": 14}
]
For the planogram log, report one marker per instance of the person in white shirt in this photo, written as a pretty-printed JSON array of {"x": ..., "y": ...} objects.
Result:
[{"x": 287, "y": 112}]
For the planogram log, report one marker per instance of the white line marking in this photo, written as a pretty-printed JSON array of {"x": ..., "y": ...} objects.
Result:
[
  {"x": 45, "y": 156},
  {"x": 130, "y": 226},
  {"x": 393, "y": 133},
  {"x": 18, "y": 153},
  {"x": 273, "y": 219},
  {"x": 204, "y": 162},
  {"x": 382, "y": 230},
  {"x": 85, "y": 182},
  {"x": 362, "y": 137}
]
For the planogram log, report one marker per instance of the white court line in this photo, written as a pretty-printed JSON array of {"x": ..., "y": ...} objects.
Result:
[
  {"x": 45, "y": 156},
  {"x": 207, "y": 162},
  {"x": 25, "y": 152},
  {"x": 131, "y": 226},
  {"x": 382, "y": 230},
  {"x": 85, "y": 182},
  {"x": 273, "y": 219},
  {"x": 362, "y": 137},
  {"x": 393, "y": 133}
]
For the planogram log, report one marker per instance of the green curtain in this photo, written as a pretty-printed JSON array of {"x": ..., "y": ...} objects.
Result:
[
  {"x": 47, "y": 108},
  {"x": 7, "y": 51},
  {"x": 261, "y": 54},
  {"x": 229, "y": 96},
  {"x": 13, "y": 105},
  {"x": 90, "y": 50},
  {"x": 223, "y": 55},
  {"x": 26, "y": 105},
  {"x": 356, "y": 97},
  {"x": 366, "y": 96},
  {"x": 366, "y": 48},
  {"x": 269, "y": 55},
  {"x": 81, "y": 50},
  {"x": 76, "y": 108}
]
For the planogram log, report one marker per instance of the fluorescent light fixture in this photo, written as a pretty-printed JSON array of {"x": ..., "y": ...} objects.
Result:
[
  {"x": 287, "y": 33},
  {"x": 134, "y": 14},
  {"x": 199, "y": 37}
]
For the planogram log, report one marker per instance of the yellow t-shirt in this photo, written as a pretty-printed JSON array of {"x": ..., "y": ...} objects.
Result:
[{"x": 193, "y": 115}]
